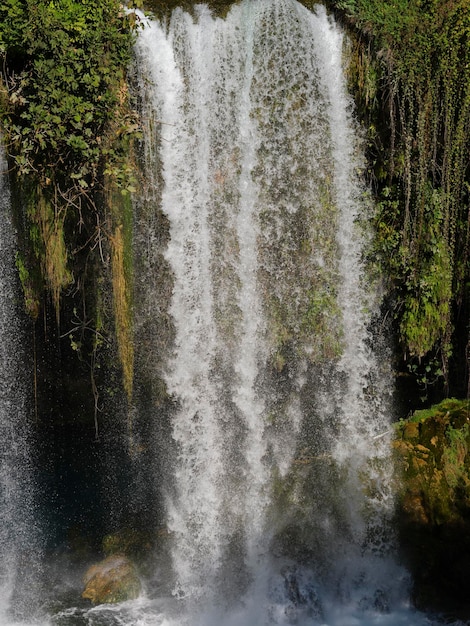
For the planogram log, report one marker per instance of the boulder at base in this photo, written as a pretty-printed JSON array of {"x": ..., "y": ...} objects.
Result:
[{"x": 113, "y": 580}]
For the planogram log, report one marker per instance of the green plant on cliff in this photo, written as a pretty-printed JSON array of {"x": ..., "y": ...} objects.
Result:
[
  {"x": 64, "y": 63},
  {"x": 410, "y": 70},
  {"x": 67, "y": 125}
]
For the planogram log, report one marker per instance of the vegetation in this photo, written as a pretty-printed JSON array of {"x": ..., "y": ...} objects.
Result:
[
  {"x": 64, "y": 66},
  {"x": 67, "y": 123},
  {"x": 411, "y": 73}
]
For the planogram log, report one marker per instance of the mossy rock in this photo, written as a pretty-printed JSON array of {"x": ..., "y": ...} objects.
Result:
[
  {"x": 433, "y": 508},
  {"x": 113, "y": 580},
  {"x": 433, "y": 451}
]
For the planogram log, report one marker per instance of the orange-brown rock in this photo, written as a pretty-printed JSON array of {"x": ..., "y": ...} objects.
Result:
[{"x": 113, "y": 580}]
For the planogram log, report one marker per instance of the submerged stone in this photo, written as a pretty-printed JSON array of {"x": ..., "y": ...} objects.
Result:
[{"x": 115, "y": 579}]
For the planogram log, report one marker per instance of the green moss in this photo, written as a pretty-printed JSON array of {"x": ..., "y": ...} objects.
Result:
[
  {"x": 433, "y": 449},
  {"x": 433, "y": 503},
  {"x": 452, "y": 408},
  {"x": 29, "y": 285}
]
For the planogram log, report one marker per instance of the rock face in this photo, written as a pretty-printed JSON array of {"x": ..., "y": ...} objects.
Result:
[
  {"x": 133, "y": 543},
  {"x": 433, "y": 451},
  {"x": 113, "y": 580}
]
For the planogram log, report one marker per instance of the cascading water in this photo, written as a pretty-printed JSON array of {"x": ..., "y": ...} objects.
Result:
[
  {"x": 19, "y": 547},
  {"x": 278, "y": 494}
]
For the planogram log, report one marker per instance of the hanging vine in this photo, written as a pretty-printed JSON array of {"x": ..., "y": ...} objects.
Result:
[{"x": 418, "y": 57}]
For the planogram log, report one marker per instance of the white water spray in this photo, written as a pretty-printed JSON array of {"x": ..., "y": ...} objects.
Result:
[{"x": 18, "y": 536}]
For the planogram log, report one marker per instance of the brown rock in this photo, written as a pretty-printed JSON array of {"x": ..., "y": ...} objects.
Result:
[
  {"x": 413, "y": 508},
  {"x": 113, "y": 580}
]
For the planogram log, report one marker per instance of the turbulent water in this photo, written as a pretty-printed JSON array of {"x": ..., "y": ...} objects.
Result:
[{"x": 258, "y": 317}]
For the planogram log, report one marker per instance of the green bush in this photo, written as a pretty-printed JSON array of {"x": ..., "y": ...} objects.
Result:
[
  {"x": 65, "y": 62},
  {"x": 410, "y": 69}
]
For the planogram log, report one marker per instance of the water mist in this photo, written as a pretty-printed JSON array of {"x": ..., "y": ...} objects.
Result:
[{"x": 19, "y": 546}]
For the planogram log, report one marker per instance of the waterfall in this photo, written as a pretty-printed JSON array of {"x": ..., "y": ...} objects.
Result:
[
  {"x": 277, "y": 489},
  {"x": 18, "y": 535}
]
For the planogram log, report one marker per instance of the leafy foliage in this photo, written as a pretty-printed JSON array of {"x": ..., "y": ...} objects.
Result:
[
  {"x": 65, "y": 62},
  {"x": 68, "y": 126},
  {"x": 64, "y": 117},
  {"x": 411, "y": 73}
]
